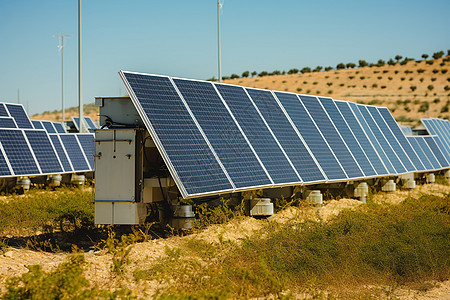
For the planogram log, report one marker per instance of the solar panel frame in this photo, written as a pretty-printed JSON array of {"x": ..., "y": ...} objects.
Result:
[
  {"x": 262, "y": 138},
  {"x": 430, "y": 140},
  {"x": 234, "y": 150},
  {"x": 44, "y": 152},
  {"x": 75, "y": 152},
  {"x": 61, "y": 152},
  {"x": 20, "y": 116},
  {"x": 401, "y": 138},
  {"x": 86, "y": 140},
  {"x": 309, "y": 132},
  {"x": 287, "y": 134},
  {"x": 18, "y": 152},
  {"x": 161, "y": 145},
  {"x": 420, "y": 153},
  {"x": 348, "y": 136}
]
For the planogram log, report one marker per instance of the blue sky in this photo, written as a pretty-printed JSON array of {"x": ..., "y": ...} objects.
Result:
[{"x": 179, "y": 38}]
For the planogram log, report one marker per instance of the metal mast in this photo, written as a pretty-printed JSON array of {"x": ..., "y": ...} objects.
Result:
[
  {"x": 80, "y": 90},
  {"x": 219, "y": 6},
  {"x": 61, "y": 48}
]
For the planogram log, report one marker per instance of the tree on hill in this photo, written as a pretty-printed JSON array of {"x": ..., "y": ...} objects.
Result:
[
  {"x": 391, "y": 62},
  {"x": 276, "y": 72},
  {"x": 263, "y": 73},
  {"x": 362, "y": 63},
  {"x": 305, "y": 70},
  {"x": 293, "y": 71},
  {"x": 424, "y": 56},
  {"x": 380, "y": 63},
  {"x": 254, "y": 73},
  {"x": 350, "y": 65},
  {"x": 340, "y": 66},
  {"x": 329, "y": 68},
  {"x": 245, "y": 74},
  {"x": 318, "y": 69},
  {"x": 398, "y": 57},
  {"x": 234, "y": 76},
  {"x": 437, "y": 55}
]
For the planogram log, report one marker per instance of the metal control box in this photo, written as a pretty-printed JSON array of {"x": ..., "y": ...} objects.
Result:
[{"x": 119, "y": 176}]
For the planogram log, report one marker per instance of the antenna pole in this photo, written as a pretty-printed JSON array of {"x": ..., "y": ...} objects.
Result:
[
  {"x": 218, "y": 40},
  {"x": 80, "y": 89},
  {"x": 61, "y": 47}
]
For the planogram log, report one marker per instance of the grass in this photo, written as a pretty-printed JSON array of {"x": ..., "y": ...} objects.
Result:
[
  {"x": 40, "y": 210},
  {"x": 378, "y": 244}
]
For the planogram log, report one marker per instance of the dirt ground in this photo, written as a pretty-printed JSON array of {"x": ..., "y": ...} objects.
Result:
[{"x": 15, "y": 261}]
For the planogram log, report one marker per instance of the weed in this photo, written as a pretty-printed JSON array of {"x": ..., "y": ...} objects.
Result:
[
  {"x": 3, "y": 245},
  {"x": 208, "y": 214}
]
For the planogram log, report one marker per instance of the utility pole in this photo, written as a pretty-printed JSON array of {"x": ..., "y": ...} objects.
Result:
[
  {"x": 80, "y": 89},
  {"x": 219, "y": 6},
  {"x": 18, "y": 96},
  {"x": 61, "y": 48}
]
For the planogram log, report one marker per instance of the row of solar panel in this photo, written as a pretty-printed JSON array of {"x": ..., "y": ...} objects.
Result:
[
  {"x": 218, "y": 137},
  {"x": 440, "y": 128},
  {"x": 31, "y": 147}
]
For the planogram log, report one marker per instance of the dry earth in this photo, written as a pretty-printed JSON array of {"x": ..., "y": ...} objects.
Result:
[{"x": 143, "y": 255}]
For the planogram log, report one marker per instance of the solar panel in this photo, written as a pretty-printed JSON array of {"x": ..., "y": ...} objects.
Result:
[
  {"x": 332, "y": 136},
  {"x": 61, "y": 153},
  {"x": 263, "y": 142},
  {"x": 44, "y": 152},
  {"x": 397, "y": 132},
  {"x": 4, "y": 169},
  {"x": 407, "y": 131},
  {"x": 420, "y": 153},
  {"x": 59, "y": 127},
  {"x": 183, "y": 147},
  {"x": 3, "y": 112},
  {"x": 292, "y": 144},
  {"x": 18, "y": 113},
  {"x": 397, "y": 164},
  {"x": 395, "y": 145},
  {"x": 231, "y": 146},
  {"x": 76, "y": 122},
  {"x": 7, "y": 122},
  {"x": 442, "y": 134},
  {"x": 430, "y": 155},
  {"x": 74, "y": 152},
  {"x": 311, "y": 135},
  {"x": 347, "y": 135},
  {"x": 49, "y": 126},
  {"x": 433, "y": 128},
  {"x": 441, "y": 147},
  {"x": 90, "y": 123},
  {"x": 87, "y": 143},
  {"x": 430, "y": 140},
  {"x": 363, "y": 139},
  {"x": 37, "y": 124},
  {"x": 18, "y": 152}
]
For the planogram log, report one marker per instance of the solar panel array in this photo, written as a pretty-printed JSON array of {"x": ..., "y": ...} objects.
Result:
[
  {"x": 33, "y": 147},
  {"x": 88, "y": 123},
  {"x": 219, "y": 138},
  {"x": 441, "y": 129}
]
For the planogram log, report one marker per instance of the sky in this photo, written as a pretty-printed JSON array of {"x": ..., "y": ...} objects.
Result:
[{"x": 179, "y": 38}]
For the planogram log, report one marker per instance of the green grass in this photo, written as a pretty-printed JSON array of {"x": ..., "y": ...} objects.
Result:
[
  {"x": 378, "y": 244},
  {"x": 45, "y": 210}
]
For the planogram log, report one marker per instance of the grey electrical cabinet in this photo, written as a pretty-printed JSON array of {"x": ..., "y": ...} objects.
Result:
[{"x": 119, "y": 176}]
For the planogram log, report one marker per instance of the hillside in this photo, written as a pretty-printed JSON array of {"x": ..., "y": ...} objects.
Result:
[
  {"x": 414, "y": 90},
  {"x": 90, "y": 110}
]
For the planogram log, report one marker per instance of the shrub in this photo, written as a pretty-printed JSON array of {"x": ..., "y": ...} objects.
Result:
[
  {"x": 364, "y": 86},
  {"x": 318, "y": 69},
  {"x": 254, "y": 73},
  {"x": 424, "y": 56},
  {"x": 398, "y": 57},
  {"x": 276, "y": 72},
  {"x": 390, "y": 78},
  {"x": 435, "y": 71},
  {"x": 305, "y": 70},
  {"x": 402, "y": 78},
  {"x": 400, "y": 87},
  {"x": 234, "y": 76},
  {"x": 225, "y": 77},
  {"x": 328, "y": 68},
  {"x": 424, "y": 107},
  {"x": 305, "y": 82},
  {"x": 411, "y": 78},
  {"x": 245, "y": 74},
  {"x": 391, "y": 62},
  {"x": 433, "y": 79},
  {"x": 421, "y": 79},
  {"x": 438, "y": 55},
  {"x": 284, "y": 81},
  {"x": 329, "y": 83},
  {"x": 413, "y": 88},
  {"x": 447, "y": 88},
  {"x": 408, "y": 71},
  {"x": 437, "y": 100},
  {"x": 385, "y": 71},
  {"x": 299, "y": 89},
  {"x": 376, "y": 72},
  {"x": 341, "y": 84},
  {"x": 362, "y": 77},
  {"x": 330, "y": 91},
  {"x": 429, "y": 62},
  {"x": 308, "y": 91},
  {"x": 445, "y": 108},
  {"x": 293, "y": 71},
  {"x": 263, "y": 73},
  {"x": 340, "y": 66},
  {"x": 350, "y": 65},
  {"x": 351, "y": 77},
  {"x": 362, "y": 63},
  {"x": 379, "y": 77},
  {"x": 383, "y": 86},
  {"x": 420, "y": 71},
  {"x": 430, "y": 87},
  {"x": 315, "y": 83},
  {"x": 374, "y": 85},
  {"x": 443, "y": 71}
]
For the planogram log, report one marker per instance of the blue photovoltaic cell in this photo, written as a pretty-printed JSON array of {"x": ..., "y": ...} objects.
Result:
[
  {"x": 59, "y": 127},
  {"x": 331, "y": 135},
  {"x": 74, "y": 152},
  {"x": 382, "y": 140},
  {"x": 430, "y": 155},
  {"x": 89, "y": 123},
  {"x": 44, "y": 152},
  {"x": 18, "y": 152},
  {"x": 363, "y": 140},
  {"x": 19, "y": 115},
  {"x": 311, "y": 135},
  {"x": 423, "y": 157},
  {"x": 87, "y": 142},
  {"x": 187, "y": 150},
  {"x": 49, "y": 126},
  {"x": 401, "y": 154},
  {"x": 442, "y": 134},
  {"x": 286, "y": 135},
  {"x": 427, "y": 124},
  {"x": 3, "y": 112},
  {"x": 347, "y": 136},
  {"x": 432, "y": 128},
  {"x": 4, "y": 170},
  {"x": 398, "y": 133},
  {"x": 223, "y": 133},
  {"x": 37, "y": 124},
  {"x": 61, "y": 154},
  {"x": 258, "y": 134},
  {"x": 6, "y": 122},
  {"x": 76, "y": 122},
  {"x": 430, "y": 140},
  {"x": 442, "y": 148},
  {"x": 407, "y": 131}
]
